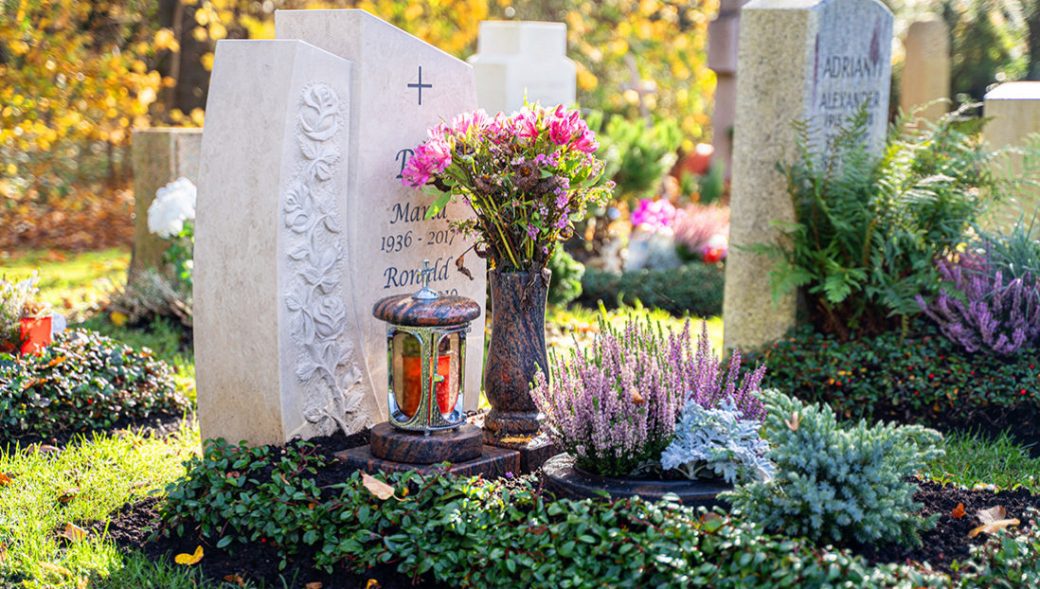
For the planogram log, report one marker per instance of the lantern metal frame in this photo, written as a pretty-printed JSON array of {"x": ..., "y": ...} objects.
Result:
[{"x": 427, "y": 417}]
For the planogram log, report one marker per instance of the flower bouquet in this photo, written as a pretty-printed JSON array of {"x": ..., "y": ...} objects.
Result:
[{"x": 527, "y": 177}]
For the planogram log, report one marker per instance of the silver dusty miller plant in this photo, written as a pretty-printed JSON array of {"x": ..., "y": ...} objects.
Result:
[{"x": 718, "y": 440}]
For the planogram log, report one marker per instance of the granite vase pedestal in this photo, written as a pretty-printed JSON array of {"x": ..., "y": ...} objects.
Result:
[{"x": 563, "y": 478}]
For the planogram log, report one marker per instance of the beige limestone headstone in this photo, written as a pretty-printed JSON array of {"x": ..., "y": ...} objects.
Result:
[
  {"x": 926, "y": 69},
  {"x": 817, "y": 61},
  {"x": 273, "y": 355},
  {"x": 159, "y": 156},
  {"x": 401, "y": 87},
  {"x": 523, "y": 59},
  {"x": 1014, "y": 112}
]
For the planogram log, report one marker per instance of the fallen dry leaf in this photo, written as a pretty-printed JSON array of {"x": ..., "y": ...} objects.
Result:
[
  {"x": 958, "y": 512},
  {"x": 236, "y": 579},
  {"x": 83, "y": 583},
  {"x": 992, "y": 514},
  {"x": 47, "y": 449},
  {"x": 55, "y": 362},
  {"x": 3, "y": 552},
  {"x": 5, "y": 479},
  {"x": 993, "y": 527},
  {"x": 372, "y": 584},
  {"x": 189, "y": 559},
  {"x": 73, "y": 532},
  {"x": 376, "y": 486},
  {"x": 313, "y": 585},
  {"x": 794, "y": 422},
  {"x": 68, "y": 495},
  {"x": 53, "y": 568},
  {"x": 637, "y": 398}
]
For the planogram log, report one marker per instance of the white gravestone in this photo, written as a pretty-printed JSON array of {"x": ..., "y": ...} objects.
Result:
[
  {"x": 400, "y": 87},
  {"x": 518, "y": 59},
  {"x": 1014, "y": 112},
  {"x": 274, "y": 357},
  {"x": 926, "y": 69},
  {"x": 818, "y": 61}
]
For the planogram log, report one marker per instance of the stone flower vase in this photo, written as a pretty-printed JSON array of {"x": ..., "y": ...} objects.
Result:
[{"x": 516, "y": 353}]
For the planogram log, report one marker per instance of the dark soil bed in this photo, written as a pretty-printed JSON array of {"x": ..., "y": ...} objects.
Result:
[
  {"x": 161, "y": 424},
  {"x": 948, "y": 541}
]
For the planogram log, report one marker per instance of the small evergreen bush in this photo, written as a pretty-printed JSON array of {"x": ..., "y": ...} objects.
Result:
[
  {"x": 838, "y": 483},
  {"x": 694, "y": 289},
  {"x": 82, "y": 382}
]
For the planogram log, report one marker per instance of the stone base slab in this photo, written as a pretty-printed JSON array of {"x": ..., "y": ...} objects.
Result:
[
  {"x": 533, "y": 451},
  {"x": 493, "y": 463}
]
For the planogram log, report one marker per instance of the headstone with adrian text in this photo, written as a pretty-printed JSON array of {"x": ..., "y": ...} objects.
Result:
[
  {"x": 401, "y": 86},
  {"x": 817, "y": 61}
]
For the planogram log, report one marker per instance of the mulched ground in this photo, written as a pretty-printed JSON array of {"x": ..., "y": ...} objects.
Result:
[{"x": 949, "y": 541}]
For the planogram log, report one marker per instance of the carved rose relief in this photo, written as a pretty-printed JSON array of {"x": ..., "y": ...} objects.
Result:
[{"x": 325, "y": 365}]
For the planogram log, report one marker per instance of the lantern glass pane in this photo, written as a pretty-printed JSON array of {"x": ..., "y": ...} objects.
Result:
[
  {"x": 407, "y": 361},
  {"x": 448, "y": 367}
]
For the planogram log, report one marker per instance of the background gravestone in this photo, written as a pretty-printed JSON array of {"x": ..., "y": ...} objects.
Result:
[
  {"x": 274, "y": 355},
  {"x": 400, "y": 87},
  {"x": 1014, "y": 110},
  {"x": 812, "y": 60},
  {"x": 159, "y": 156},
  {"x": 926, "y": 69},
  {"x": 723, "y": 35},
  {"x": 517, "y": 59}
]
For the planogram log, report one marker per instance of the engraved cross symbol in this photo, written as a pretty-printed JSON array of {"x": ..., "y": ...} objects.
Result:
[
  {"x": 427, "y": 273},
  {"x": 419, "y": 86}
]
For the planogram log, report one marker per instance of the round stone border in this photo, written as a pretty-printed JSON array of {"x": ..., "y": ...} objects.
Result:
[{"x": 563, "y": 478}]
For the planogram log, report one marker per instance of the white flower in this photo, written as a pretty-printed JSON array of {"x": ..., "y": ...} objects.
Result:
[{"x": 173, "y": 205}]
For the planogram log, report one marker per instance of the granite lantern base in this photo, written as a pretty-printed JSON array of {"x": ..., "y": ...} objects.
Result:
[
  {"x": 394, "y": 450},
  {"x": 563, "y": 478}
]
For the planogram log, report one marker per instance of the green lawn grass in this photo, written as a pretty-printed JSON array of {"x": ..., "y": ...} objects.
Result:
[
  {"x": 71, "y": 283},
  {"x": 973, "y": 460}
]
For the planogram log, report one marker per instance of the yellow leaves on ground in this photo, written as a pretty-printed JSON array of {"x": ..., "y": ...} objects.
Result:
[
  {"x": 377, "y": 487},
  {"x": 372, "y": 584},
  {"x": 73, "y": 533},
  {"x": 993, "y": 520},
  {"x": 190, "y": 559}
]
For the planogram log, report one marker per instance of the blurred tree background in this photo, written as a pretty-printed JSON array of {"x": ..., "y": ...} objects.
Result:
[{"x": 76, "y": 77}]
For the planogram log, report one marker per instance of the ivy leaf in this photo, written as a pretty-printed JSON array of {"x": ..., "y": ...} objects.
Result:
[{"x": 190, "y": 559}]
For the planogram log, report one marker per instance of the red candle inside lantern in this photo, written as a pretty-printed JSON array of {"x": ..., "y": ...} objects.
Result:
[
  {"x": 35, "y": 333},
  {"x": 413, "y": 385}
]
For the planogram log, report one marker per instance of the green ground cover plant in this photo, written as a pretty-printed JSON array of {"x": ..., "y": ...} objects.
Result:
[
  {"x": 82, "y": 382},
  {"x": 922, "y": 377}
]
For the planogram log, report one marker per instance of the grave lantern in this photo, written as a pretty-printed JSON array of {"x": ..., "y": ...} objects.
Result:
[{"x": 426, "y": 355}]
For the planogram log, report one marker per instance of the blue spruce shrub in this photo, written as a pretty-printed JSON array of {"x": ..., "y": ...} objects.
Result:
[
  {"x": 720, "y": 441},
  {"x": 835, "y": 482}
]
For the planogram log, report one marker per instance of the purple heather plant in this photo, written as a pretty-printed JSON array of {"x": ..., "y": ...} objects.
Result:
[
  {"x": 614, "y": 408},
  {"x": 979, "y": 309}
]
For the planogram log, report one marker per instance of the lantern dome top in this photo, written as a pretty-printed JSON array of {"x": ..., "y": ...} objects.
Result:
[{"x": 411, "y": 310}]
